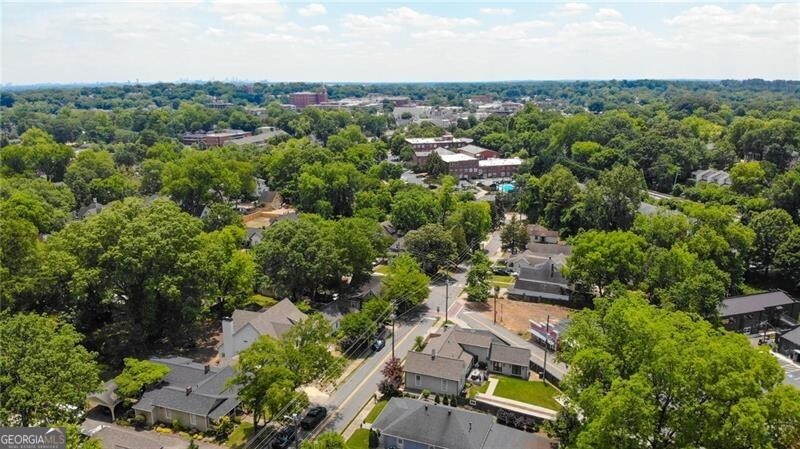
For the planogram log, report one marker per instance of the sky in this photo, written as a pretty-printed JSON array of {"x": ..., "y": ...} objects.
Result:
[{"x": 361, "y": 41}]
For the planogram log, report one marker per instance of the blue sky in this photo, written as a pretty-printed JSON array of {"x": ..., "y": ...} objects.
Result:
[{"x": 70, "y": 41}]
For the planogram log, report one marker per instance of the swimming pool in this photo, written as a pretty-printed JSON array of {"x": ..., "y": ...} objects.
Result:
[{"x": 505, "y": 188}]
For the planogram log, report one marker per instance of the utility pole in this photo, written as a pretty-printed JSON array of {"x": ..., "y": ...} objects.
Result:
[
  {"x": 496, "y": 292},
  {"x": 446, "y": 293},
  {"x": 393, "y": 317},
  {"x": 295, "y": 423},
  {"x": 546, "y": 346}
]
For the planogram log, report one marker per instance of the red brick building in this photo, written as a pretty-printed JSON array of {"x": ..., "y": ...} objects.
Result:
[
  {"x": 478, "y": 152},
  {"x": 499, "y": 168},
  {"x": 431, "y": 143},
  {"x": 213, "y": 139},
  {"x": 303, "y": 99}
]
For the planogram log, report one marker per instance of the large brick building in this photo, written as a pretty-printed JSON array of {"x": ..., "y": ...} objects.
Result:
[
  {"x": 301, "y": 100},
  {"x": 431, "y": 143},
  {"x": 499, "y": 168},
  {"x": 213, "y": 139}
]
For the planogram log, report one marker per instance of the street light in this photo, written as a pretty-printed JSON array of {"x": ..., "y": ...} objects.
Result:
[{"x": 393, "y": 317}]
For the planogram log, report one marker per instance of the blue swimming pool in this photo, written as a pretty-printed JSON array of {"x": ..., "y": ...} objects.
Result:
[{"x": 505, "y": 188}]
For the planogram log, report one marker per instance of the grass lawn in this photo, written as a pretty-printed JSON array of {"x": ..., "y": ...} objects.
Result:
[
  {"x": 382, "y": 269},
  {"x": 475, "y": 389},
  {"x": 373, "y": 414},
  {"x": 532, "y": 392},
  {"x": 263, "y": 301},
  {"x": 501, "y": 281},
  {"x": 359, "y": 439},
  {"x": 240, "y": 435}
]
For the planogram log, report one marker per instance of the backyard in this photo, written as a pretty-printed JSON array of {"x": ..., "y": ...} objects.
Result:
[
  {"x": 359, "y": 439},
  {"x": 501, "y": 281},
  {"x": 531, "y": 392}
]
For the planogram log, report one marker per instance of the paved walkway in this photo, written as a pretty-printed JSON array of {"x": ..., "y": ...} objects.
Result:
[
  {"x": 493, "y": 381},
  {"x": 517, "y": 406}
]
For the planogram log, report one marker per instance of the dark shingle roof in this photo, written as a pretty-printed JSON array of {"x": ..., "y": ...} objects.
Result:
[
  {"x": 741, "y": 305},
  {"x": 438, "y": 367},
  {"x": 433, "y": 425},
  {"x": 275, "y": 321},
  {"x": 510, "y": 354},
  {"x": 793, "y": 336}
]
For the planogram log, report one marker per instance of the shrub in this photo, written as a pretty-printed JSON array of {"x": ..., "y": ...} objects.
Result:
[
  {"x": 373, "y": 439},
  {"x": 436, "y": 398},
  {"x": 139, "y": 421},
  {"x": 426, "y": 393},
  {"x": 223, "y": 428},
  {"x": 176, "y": 425}
]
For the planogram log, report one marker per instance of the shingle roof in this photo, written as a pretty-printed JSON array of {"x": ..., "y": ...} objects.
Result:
[
  {"x": 549, "y": 271},
  {"x": 275, "y": 321},
  {"x": 741, "y": 305},
  {"x": 434, "y": 425},
  {"x": 549, "y": 248},
  {"x": 115, "y": 438},
  {"x": 793, "y": 336},
  {"x": 510, "y": 354},
  {"x": 439, "y": 367},
  {"x": 503, "y": 437}
]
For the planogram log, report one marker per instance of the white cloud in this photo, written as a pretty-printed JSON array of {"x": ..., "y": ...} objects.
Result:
[
  {"x": 571, "y": 9},
  {"x": 749, "y": 23},
  {"x": 313, "y": 9},
  {"x": 245, "y": 19},
  {"x": 518, "y": 30},
  {"x": 288, "y": 26},
  {"x": 396, "y": 19},
  {"x": 215, "y": 32},
  {"x": 497, "y": 11},
  {"x": 608, "y": 13},
  {"x": 320, "y": 29},
  {"x": 248, "y": 14}
]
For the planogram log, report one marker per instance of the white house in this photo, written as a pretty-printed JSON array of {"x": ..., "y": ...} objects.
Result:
[{"x": 245, "y": 327}]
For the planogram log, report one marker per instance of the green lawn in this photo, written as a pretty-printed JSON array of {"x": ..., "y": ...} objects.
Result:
[
  {"x": 532, "y": 392},
  {"x": 475, "y": 389},
  {"x": 502, "y": 281},
  {"x": 359, "y": 439},
  {"x": 240, "y": 435},
  {"x": 373, "y": 414}
]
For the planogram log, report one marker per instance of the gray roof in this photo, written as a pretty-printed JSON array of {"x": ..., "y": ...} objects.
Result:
[
  {"x": 434, "y": 425},
  {"x": 116, "y": 438},
  {"x": 92, "y": 208},
  {"x": 793, "y": 336},
  {"x": 107, "y": 396},
  {"x": 503, "y": 437},
  {"x": 275, "y": 321},
  {"x": 741, "y": 305},
  {"x": 549, "y": 248},
  {"x": 473, "y": 149},
  {"x": 210, "y": 394},
  {"x": 510, "y": 354},
  {"x": 438, "y": 367}
]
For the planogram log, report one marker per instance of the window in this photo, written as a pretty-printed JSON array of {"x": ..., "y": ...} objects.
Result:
[
  {"x": 399, "y": 443},
  {"x": 516, "y": 370},
  {"x": 497, "y": 366},
  {"x": 418, "y": 379},
  {"x": 444, "y": 385},
  {"x": 193, "y": 420},
  {"x": 167, "y": 413}
]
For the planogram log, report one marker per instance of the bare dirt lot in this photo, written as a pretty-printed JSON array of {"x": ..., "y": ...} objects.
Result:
[{"x": 514, "y": 315}]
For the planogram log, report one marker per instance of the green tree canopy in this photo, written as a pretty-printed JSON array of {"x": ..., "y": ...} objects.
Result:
[
  {"x": 600, "y": 258},
  {"x": 405, "y": 285},
  {"x": 772, "y": 228},
  {"x": 432, "y": 246},
  {"x": 139, "y": 375}
]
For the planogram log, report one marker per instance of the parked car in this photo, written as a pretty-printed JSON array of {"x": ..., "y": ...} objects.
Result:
[
  {"x": 313, "y": 418},
  {"x": 284, "y": 438},
  {"x": 378, "y": 345},
  {"x": 500, "y": 270}
]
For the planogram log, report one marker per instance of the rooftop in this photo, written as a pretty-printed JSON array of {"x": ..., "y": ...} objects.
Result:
[
  {"x": 498, "y": 162},
  {"x": 741, "y": 305},
  {"x": 275, "y": 321},
  {"x": 451, "y": 158},
  {"x": 423, "y": 140}
]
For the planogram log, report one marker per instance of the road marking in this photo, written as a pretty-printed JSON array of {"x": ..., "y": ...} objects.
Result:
[{"x": 379, "y": 366}]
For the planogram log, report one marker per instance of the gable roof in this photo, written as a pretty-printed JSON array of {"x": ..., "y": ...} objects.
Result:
[
  {"x": 115, "y": 438},
  {"x": 438, "y": 367},
  {"x": 474, "y": 150},
  {"x": 275, "y": 321},
  {"x": 510, "y": 354},
  {"x": 549, "y": 248},
  {"x": 793, "y": 336},
  {"x": 548, "y": 271},
  {"x": 741, "y": 305},
  {"x": 433, "y": 425}
]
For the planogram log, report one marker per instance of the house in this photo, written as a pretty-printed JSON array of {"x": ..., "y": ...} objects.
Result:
[
  {"x": 245, "y": 327},
  {"x": 270, "y": 199},
  {"x": 336, "y": 310},
  {"x": 750, "y": 314},
  {"x": 540, "y": 253},
  {"x": 442, "y": 367},
  {"x": 192, "y": 394},
  {"x": 542, "y": 282},
  {"x": 253, "y": 237},
  {"x": 711, "y": 175},
  {"x": 118, "y": 438},
  {"x": 540, "y": 234},
  {"x": 789, "y": 344},
  {"x": 414, "y": 424}
]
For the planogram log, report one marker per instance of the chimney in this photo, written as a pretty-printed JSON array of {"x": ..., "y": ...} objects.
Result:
[
  {"x": 188, "y": 390},
  {"x": 470, "y": 427},
  {"x": 433, "y": 354},
  {"x": 228, "y": 350},
  {"x": 206, "y": 369}
]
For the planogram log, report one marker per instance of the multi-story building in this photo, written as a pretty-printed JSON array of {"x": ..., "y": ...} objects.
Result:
[
  {"x": 499, "y": 168},
  {"x": 301, "y": 100},
  {"x": 478, "y": 152},
  {"x": 461, "y": 165},
  {"x": 213, "y": 139},
  {"x": 430, "y": 143}
]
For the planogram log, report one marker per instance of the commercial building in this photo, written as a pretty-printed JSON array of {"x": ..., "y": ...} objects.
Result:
[
  {"x": 498, "y": 168},
  {"x": 214, "y": 138},
  {"x": 431, "y": 143},
  {"x": 301, "y": 100},
  {"x": 751, "y": 314}
]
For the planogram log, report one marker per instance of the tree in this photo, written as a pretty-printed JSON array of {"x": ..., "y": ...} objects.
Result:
[
  {"x": 432, "y": 246},
  {"x": 326, "y": 440},
  {"x": 514, "y": 236},
  {"x": 772, "y": 228},
  {"x": 663, "y": 229},
  {"x": 748, "y": 178},
  {"x": 139, "y": 375},
  {"x": 46, "y": 372},
  {"x": 478, "y": 277},
  {"x": 88, "y": 166},
  {"x": 600, "y": 258},
  {"x": 392, "y": 372},
  {"x": 221, "y": 215},
  {"x": 642, "y": 376},
  {"x": 76, "y": 440},
  {"x": 612, "y": 202},
  {"x": 405, "y": 285},
  {"x": 785, "y": 192},
  {"x": 377, "y": 309},
  {"x": 475, "y": 218},
  {"x": 414, "y": 207},
  {"x": 435, "y": 166},
  {"x": 357, "y": 329},
  {"x": 787, "y": 258},
  {"x": 333, "y": 184},
  {"x": 36, "y": 152},
  {"x": 558, "y": 192}
]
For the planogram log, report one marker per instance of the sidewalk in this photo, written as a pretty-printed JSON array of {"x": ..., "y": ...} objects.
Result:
[{"x": 517, "y": 406}]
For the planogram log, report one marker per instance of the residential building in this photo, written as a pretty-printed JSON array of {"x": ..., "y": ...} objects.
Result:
[
  {"x": 711, "y": 175},
  {"x": 461, "y": 165},
  {"x": 420, "y": 158},
  {"x": 477, "y": 152},
  {"x": 541, "y": 282},
  {"x": 499, "y": 168},
  {"x": 214, "y": 138},
  {"x": 751, "y": 314},
  {"x": 414, "y": 424},
  {"x": 442, "y": 367},
  {"x": 430, "y": 143},
  {"x": 549, "y": 334},
  {"x": 301, "y": 100},
  {"x": 120, "y": 438},
  {"x": 192, "y": 394},
  {"x": 540, "y": 234},
  {"x": 245, "y": 327},
  {"x": 90, "y": 209},
  {"x": 481, "y": 99}
]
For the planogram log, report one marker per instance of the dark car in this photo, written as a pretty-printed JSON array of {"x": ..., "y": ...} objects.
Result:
[
  {"x": 313, "y": 417},
  {"x": 284, "y": 438},
  {"x": 378, "y": 345},
  {"x": 501, "y": 270}
]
